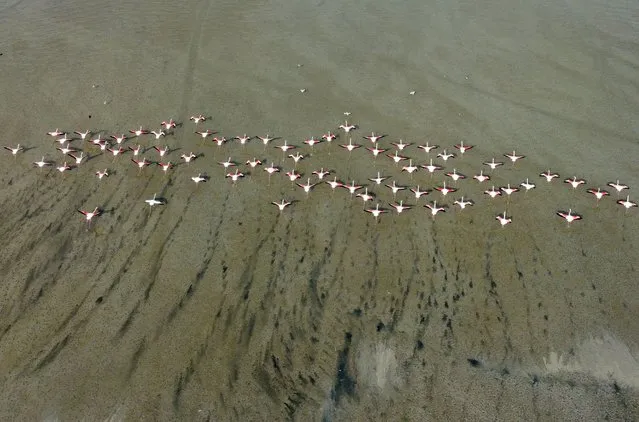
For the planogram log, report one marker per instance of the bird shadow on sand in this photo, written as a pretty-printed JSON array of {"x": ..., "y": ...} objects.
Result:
[
  {"x": 143, "y": 149},
  {"x": 25, "y": 149},
  {"x": 51, "y": 171},
  {"x": 92, "y": 156},
  {"x": 180, "y": 163},
  {"x": 379, "y": 137},
  {"x": 106, "y": 211},
  {"x": 211, "y": 132},
  {"x": 92, "y": 133},
  {"x": 177, "y": 164}
]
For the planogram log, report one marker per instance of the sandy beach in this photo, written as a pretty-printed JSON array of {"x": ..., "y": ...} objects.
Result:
[{"x": 217, "y": 307}]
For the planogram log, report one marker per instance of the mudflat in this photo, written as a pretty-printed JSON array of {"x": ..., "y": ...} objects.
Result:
[{"x": 217, "y": 306}]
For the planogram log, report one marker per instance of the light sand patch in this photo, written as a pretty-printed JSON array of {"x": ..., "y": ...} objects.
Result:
[
  {"x": 604, "y": 357},
  {"x": 377, "y": 367},
  {"x": 118, "y": 415}
]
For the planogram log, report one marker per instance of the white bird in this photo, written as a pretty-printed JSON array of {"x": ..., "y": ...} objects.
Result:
[
  {"x": 373, "y": 138},
  {"x": 188, "y": 157},
  {"x": 419, "y": 193},
  {"x": 569, "y": 216},
  {"x": 434, "y": 209},
  {"x": 346, "y": 127},
  {"x": 14, "y": 151},
  {"x": 444, "y": 189},
  {"x": 161, "y": 151},
  {"x": 306, "y": 186},
  {"x": 63, "y": 140},
  {"x": 119, "y": 138},
  {"x": 199, "y": 178},
  {"x": 503, "y": 220},
  {"x": 574, "y": 182},
  {"x": 379, "y": 179},
  {"x": 42, "y": 163},
  {"x": 334, "y": 184},
  {"x": 321, "y": 173},
  {"x": 377, "y": 211},
  {"x": 66, "y": 149},
  {"x": 599, "y": 193},
  {"x": 78, "y": 158},
  {"x": 395, "y": 188},
  {"x": 155, "y": 201},
  {"x": 400, "y": 207},
  {"x": 627, "y": 203},
  {"x": 493, "y": 165},
  {"x": 431, "y": 168},
  {"x": 514, "y": 157},
  {"x": 235, "y": 176},
  {"x": 102, "y": 173},
  {"x": 158, "y": 134},
  {"x": 508, "y": 190},
  {"x": 254, "y": 163},
  {"x": 365, "y": 196},
  {"x": 168, "y": 125},
  {"x": 527, "y": 185},
  {"x": 165, "y": 166},
  {"x": 243, "y": 139},
  {"x": 463, "y": 204},
  {"x": 455, "y": 176},
  {"x": 197, "y": 119},
  {"x": 55, "y": 133},
  {"x": 445, "y": 156},
  {"x": 89, "y": 215},
  {"x": 136, "y": 150},
  {"x": 296, "y": 157},
  {"x": 618, "y": 186},
  {"x": 463, "y": 147},
  {"x": 281, "y": 205},
  {"x": 400, "y": 145},
  {"x": 428, "y": 148},
  {"x": 548, "y": 175},
  {"x": 265, "y": 139},
  {"x": 226, "y": 164},
  {"x": 64, "y": 167},
  {"x": 492, "y": 192},
  {"x": 410, "y": 168},
  {"x": 481, "y": 177},
  {"x": 83, "y": 135}
]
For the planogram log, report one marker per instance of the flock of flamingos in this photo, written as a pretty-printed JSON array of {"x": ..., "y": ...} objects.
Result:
[{"x": 115, "y": 145}]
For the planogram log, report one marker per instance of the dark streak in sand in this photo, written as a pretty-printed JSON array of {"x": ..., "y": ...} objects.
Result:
[{"x": 53, "y": 352}]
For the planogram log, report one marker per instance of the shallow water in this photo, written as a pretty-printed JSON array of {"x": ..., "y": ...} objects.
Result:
[{"x": 217, "y": 307}]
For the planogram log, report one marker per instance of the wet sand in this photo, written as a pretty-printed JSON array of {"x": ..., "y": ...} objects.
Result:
[{"x": 216, "y": 307}]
